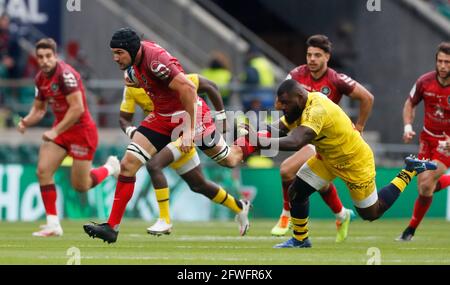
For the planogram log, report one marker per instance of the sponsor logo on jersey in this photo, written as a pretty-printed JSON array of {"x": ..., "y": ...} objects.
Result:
[
  {"x": 54, "y": 87},
  {"x": 70, "y": 79},
  {"x": 325, "y": 90},
  {"x": 160, "y": 70}
]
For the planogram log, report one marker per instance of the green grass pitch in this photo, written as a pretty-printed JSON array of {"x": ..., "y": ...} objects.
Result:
[{"x": 218, "y": 243}]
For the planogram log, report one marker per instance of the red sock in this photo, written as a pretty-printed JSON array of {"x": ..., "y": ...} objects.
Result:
[
  {"x": 420, "y": 209},
  {"x": 443, "y": 182},
  {"x": 98, "y": 175},
  {"x": 48, "y": 193},
  {"x": 332, "y": 199},
  {"x": 124, "y": 192},
  {"x": 286, "y": 185}
]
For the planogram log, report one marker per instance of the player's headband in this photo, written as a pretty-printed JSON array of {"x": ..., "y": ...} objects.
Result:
[{"x": 128, "y": 40}]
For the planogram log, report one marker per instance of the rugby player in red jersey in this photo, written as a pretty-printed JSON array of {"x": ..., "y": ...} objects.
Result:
[
  {"x": 434, "y": 89},
  {"x": 317, "y": 76},
  {"x": 178, "y": 113},
  {"x": 73, "y": 133}
]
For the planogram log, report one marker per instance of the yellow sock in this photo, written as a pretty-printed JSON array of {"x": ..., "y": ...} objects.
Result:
[
  {"x": 403, "y": 179},
  {"x": 162, "y": 196},
  {"x": 227, "y": 200},
  {"x": 300, "y": 227}
]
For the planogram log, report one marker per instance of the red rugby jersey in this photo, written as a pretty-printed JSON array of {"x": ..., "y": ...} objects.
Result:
[
  {"x": 436, "y": 99},
  {"x": 54, "y": 89},
  {"x": 332, "y": 84}
]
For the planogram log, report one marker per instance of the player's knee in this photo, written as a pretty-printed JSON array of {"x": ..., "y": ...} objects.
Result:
[
  {"x": 197, "y": 185},
  {"x": 153, "y": 166},
  {"x": 286, "y": 172},
  {"x": 134, "y": 157},
  {"x": 229, "y": 162},
  {"x": 128, "y": 164},
  {"x": 369, "y": 215},
  {"x": 80, "y": 186},
  {"x": 426, "y": 188},
  {"x": 299, "y": 191},
  {"x": 42, "y": 173},
  {"x": 196, "y": 188}
]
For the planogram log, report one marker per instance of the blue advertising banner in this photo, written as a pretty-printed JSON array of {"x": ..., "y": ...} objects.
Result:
[{"x": 45, "y": 15}]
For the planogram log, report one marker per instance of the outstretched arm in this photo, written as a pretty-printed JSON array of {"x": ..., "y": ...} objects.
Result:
[{"x": 298, "y": 138}]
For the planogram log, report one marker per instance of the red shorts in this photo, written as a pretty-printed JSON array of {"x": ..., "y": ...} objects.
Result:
[
  {"x": 428, "y": 149},
  {"x": 171, "y": 125},
  {"x": 80, "y": 141}
]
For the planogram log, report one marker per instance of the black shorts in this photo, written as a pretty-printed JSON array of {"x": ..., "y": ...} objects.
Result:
[{"x": 158, "y": 140}]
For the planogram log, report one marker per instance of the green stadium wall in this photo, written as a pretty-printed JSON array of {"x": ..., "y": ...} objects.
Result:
[{"x": 20, "y": 196}]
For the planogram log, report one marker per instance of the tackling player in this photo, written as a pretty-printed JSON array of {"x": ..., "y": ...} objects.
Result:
[
  {"x": 316, "y": 76},
  {"x": 341, "y": 152}
]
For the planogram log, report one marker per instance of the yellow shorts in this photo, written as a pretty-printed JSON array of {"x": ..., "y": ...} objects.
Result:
[
  {"x": 184, "y": 162},
  {"x": 357, "y": 173}
]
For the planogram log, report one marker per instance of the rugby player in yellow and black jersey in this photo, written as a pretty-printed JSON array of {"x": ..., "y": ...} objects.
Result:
[{"x": 341, "y": 152}]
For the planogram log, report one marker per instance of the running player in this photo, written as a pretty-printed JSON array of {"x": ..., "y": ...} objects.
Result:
[
  {"x": 187, "y": 166},
  {"x": 73, "y": 133},
  {"x": 178, "y": 112},
  {"x": 434, "y": 89}
]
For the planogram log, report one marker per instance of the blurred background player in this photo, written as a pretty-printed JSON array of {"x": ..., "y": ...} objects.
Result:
[
  {"x": 341, "y": 152},
  {"x": 73, "y": 133},
  {"x": 187, "y": 166},
  {"x": 178, "y": 113},
  {"x": 219, "y": 72},
  {"x": 434, "y": 89},
  {"x": 259, "y": 79},
  {"x": 316, "y": 76}
]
